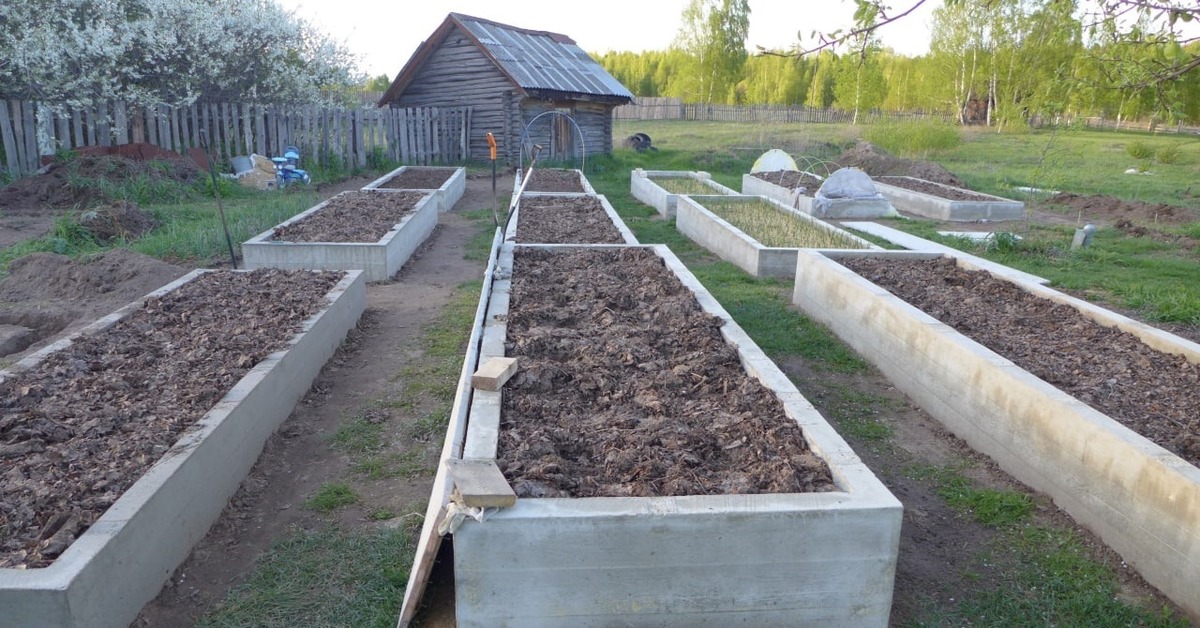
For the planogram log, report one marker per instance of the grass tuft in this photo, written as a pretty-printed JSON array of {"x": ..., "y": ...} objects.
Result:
[{"x": 331, "y": 496}]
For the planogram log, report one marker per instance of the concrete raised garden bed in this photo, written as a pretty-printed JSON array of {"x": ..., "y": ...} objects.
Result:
[
  {"x": 704, "y": 227},
  {"x": 661, "y": 189},
  {"x": 568, "y": 219},
  {"x": 119, "y": 564},
  {"x": 802, "y": 199},
  {"x": 983, "y": 208},
  {"x": 446, "y": 195},
  {"x": 379, "y": 260},
  {"x": 779, "y": 559},
  {"x": 554, "y": 181},
  {"x": 1141, "y": 499}
]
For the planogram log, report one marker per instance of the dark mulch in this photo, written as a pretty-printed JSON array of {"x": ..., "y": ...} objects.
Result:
[
  {"x": 1093, "y": 207},
  {"x": 791, "y": 179},
  {"x": 361, "y": 216},
  {"x": 85, "y": 423},
  {"x": 419, "y": 179},
  {"x": 933, "y": 189},
  {"x": 627, "y": 388},
  {"x": 1153, "y": 393},
  {"x": 554, "y": 180},
  {"x": 565, "y": 220}
]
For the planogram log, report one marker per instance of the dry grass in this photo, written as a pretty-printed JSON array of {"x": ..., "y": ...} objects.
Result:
[{"x": 775, "y": 227}]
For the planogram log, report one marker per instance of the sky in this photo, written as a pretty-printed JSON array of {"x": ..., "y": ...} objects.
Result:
[{"x": 385, "y": 33}]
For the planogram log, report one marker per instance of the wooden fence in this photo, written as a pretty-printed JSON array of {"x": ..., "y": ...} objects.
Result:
[
  {"x": 29, "y": 131},
  {"x": 674, "y": 109}
]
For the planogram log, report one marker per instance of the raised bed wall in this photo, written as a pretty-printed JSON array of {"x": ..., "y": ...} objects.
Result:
[
  {"x": 720, "y": 560},
  {"x": 644, "y": 189},
  {"x": 939, "y": 208},
  {"x": 446, "y": 196},
  {"x": 379, "y": 261},
  {"x": 733, "y": 245},
  {"x": 105, "y": 577},
  {"x": 1142, "y": 500}
]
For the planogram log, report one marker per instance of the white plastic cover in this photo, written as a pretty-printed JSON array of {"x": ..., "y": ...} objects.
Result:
[{"x": 774, "y": 160}]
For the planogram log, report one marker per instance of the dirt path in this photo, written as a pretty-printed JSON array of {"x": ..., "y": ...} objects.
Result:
[{"x": 299, "y": 458}]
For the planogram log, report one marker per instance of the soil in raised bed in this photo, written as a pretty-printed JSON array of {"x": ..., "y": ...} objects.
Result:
[
  {"x": 565, "y": 220},
  {"x": 554, "y": 180},
  {"x": 361, "y": 216},
  {"x": 419, "y": 179},
  {"x": 933, "y": 189},
  {"x": 627, "y": 388},
  {"x": 81, "y": 426},
  {"x": 791, "y": 179},
  {"x": 1153, "y": 393}
]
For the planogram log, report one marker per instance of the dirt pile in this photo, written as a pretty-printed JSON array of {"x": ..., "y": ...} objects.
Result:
[
  {"x": 88, "y": 180},
  {"x": 1106, "y": 209},
  {"x": 121, "y": 220},
  {"x": 877, "y": 163}
]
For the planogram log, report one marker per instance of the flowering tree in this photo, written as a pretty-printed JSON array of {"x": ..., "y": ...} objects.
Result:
[{"x": 144, "y": 52}]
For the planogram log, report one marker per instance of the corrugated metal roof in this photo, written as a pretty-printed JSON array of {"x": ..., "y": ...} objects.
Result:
[{"x": 542, "y": 61}]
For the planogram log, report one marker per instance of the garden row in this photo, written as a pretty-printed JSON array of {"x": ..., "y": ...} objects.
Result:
[
  {"x": 651, "y": 453},
  {"x": 1094, "y": 409},
  {"x": 122, "y": 443}
]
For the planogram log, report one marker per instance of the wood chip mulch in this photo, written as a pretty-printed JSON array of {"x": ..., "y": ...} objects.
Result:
[
  {"x": 363, "y": 216},
  {"x": 1153, "y": 393},
  {"x": 565, "y": 220},
  {"x": 934, "y": 189},
  {"x": 554, "y": 180},
  {"x": 420, "y": 179},
  {"x": 791, "y": 179},
  {"x": 85, "y": 423},
  {"x": 627, "y": 388}
]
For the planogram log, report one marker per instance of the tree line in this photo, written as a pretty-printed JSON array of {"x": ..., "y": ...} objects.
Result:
[{"x": 996, "y": 62}]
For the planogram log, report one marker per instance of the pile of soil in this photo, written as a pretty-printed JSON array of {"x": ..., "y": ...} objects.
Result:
[
  {"x": 85, "y": 423},
  {"x": 115, "y": 277},
  {"x": 933, "y": 189},
  {"x": 122, "y": 220},
  {"x": 76, "y": 183},
  {"x": 554, "y": 180},
  {"x": 791, "y": 179},
  {"x": 878, "y": 163},
  {"x": 1153, "y": 393},
  {"x": 1141, "y": 231},
  {"x": 360, "y": 216},
  {"x": 419, "y": 179},
  {"x": 627, "y": 388},
  {"x": 565, "y": 220},
  {"x": 1102, "y": 209}
]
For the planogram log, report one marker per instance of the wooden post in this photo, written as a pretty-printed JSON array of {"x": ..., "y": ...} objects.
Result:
[
  {"x": 29, "y": 124},
  {"x": 63, "y": 131},
  {"x": 9, "y": 140}
]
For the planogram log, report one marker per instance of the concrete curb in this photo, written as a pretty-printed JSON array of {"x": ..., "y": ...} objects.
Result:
[
  {"x": 733, "y": 245},
  {"x": 1142, "y": 500},
  {"x": 379, "y": 260},
  {"x": 121, "y": 562},
  {"x": 762, "y": 560},
  {"x": 447, "y": 195},
  {"x": 940, "y": 208}
]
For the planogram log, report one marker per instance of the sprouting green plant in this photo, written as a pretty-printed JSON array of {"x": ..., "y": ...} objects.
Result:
[
  {"x": 1139, "y": 150},
  {"x": 1168, "y": 154},
  {"x": 331, "y": 496},
  {"x": 772, "y": 225},
  {"x": 682, "y": 185}
]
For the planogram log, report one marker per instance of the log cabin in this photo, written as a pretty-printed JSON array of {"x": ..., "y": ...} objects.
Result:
[{"x": 510, "y": 76}]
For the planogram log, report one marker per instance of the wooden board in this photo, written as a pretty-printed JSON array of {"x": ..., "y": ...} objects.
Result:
[
  {"x": 479, "y": 483},
  {"x": 494, "y": 373}
]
